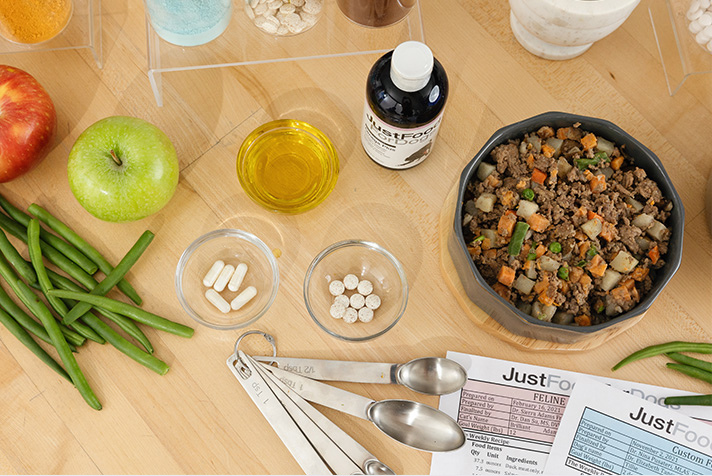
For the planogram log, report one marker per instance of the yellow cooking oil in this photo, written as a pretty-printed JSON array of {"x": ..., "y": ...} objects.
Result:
[{"x": 287, "y": 166}]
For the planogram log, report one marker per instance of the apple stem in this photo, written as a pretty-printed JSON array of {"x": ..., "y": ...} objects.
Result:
[{"x": 115, "y": 157}]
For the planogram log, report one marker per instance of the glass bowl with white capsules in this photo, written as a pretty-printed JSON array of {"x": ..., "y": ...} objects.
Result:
[{"x": 227, "y": 279}]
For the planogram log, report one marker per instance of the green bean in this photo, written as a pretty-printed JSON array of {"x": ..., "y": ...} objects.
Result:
[
  {"x": 689, "y": 400},
  {"x": 114, "y": 276},
  {"x": 687, "y": 360},
  {"x": 128, "y": 310},
  {"x": 71, "y": 236},
  {"x": 126, "y": 347},
  {"x": 16, "y": 260},
  {"x": 35, "y": 327},
  {"x": 38, "y": 308},
  {"x": 49, "y": 252},
  {"x": 520, "y": 232},
  {"x": 33, "y": 243},
  {"x": 676, "y": 346},
  {"x": 67, "y": 249},
  {"x": 692, "y": 371},
  {"x": 25, "y": 338},
  {"x": 126, "y": 324}
]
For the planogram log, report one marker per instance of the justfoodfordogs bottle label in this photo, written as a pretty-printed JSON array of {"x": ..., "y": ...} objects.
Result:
[{"x": 395, "y": 147}]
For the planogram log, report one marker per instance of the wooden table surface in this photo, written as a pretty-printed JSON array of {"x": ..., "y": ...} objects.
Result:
[{"x": 197, "y": 418}]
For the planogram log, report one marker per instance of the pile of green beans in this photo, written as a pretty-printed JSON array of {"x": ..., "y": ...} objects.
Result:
[
  {"x": 69, "y": 321},
  {"x": 697, "y": 368}
]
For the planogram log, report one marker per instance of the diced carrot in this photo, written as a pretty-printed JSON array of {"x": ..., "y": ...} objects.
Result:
[
  {"x": 505, "y": 227},
  {"x": 589, "y": 141},
  {"x": 538, "y": 176},
  {"x": 582, "y": 320},
  {"x": 502, "y": 290},
  {"x": 608, "y": 232},
  {"x": 547, "y": 150},
  {"x": 639, "y": 273},
  {"x": 654, "y": 254},
  {"x": 628, "y": 283},
  {"x": 538, "y": 222},
  {"x": 581, "y": 212},
  {"x": 598, "y": 183},
  {"x": 597, "y": 266},
  {"x": 591, "y": 215},
  {"x": 474, "y": 251},
  {"x": 620, "y": 294},
  {"x": 575, "y": 274},
  {"x": 492, "y": 181},
  {"x": 617, "y": 162},
  {"x": 540, "y": 250},
  {"x": 506, "y": 275},
  {"x": 490, "y": 254},
  {"x": 545, "y": 300},
  {"x": 588, "y": 175}
]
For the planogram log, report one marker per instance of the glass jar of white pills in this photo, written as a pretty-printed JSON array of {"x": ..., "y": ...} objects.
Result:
[{"x": 284, "y": 17}]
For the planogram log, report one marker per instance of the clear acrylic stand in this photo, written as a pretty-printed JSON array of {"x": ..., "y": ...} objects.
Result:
[
  {"x": 83, "y": 31},
  {"x": 244, "y": 44},
  {"x": 680, "y": 54}
]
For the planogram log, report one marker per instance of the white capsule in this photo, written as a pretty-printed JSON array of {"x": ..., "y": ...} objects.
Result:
[
  {"x": 350, "y": 281},
  {"x": 337, "y": 310},
  {"x": 342, "y": 299},
  {"x": 213, "y": 273},
  {"x": 217, "y": 300},
  {"x": 237, "y": 277},
  {"x": 365, "y": 314},
  {"x": 336, "y": 287},
  {"x": 223, "y": 278},
  {"x": 705, "y": 19},
  {"x": 357, "y": 301},
  {"x": 373, "y": 301},
  {"x": 243, "y": 298},
  {"x": 695, "y": 27},
  {"x": 351, "y": 315},
  {"x": 365, "y": 287},
  {"x": 694, "y": 14},
  {"x": 704, "y": 4},
  {"x": 702, "y": 37}
]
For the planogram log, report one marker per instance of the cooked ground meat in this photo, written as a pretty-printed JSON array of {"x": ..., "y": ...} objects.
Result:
[{"x": 566, "y": 227}]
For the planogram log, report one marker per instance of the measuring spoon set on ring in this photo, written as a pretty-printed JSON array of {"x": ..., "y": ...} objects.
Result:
[{"x": 282, "y": 389}]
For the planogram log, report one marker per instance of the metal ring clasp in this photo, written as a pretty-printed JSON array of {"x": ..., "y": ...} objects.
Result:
[{"x": 243, "y": 369}]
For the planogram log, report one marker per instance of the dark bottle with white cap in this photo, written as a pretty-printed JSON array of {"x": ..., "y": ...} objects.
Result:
[{"x": 405, "y": 98}]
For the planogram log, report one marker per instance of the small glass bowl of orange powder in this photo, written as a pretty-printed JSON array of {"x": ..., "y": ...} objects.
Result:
[{"x": 31, "y": 22}]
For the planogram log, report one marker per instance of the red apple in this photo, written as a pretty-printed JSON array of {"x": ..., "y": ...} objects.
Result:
[{"x": 27, "y": 123}]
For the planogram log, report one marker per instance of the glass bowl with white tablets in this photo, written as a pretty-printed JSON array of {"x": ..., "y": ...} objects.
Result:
[
  {"x": 227, "y": 279},
  {"x": 355, "y": 290}
]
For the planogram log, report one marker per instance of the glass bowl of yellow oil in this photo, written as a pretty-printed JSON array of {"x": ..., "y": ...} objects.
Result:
[{"x": 287, "y": 166}]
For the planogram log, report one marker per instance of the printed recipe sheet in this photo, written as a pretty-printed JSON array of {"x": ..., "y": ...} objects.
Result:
[
  {"x": 511, "y": 412},
  {"x": 605, "y": 431}
]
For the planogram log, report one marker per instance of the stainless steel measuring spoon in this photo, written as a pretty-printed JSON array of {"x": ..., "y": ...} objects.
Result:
[
  {"x": 272, "y": 409},
  {"x": 414, "y": 424},
  {"x": 341, "y": 452},
  {"x": 428, "y": 375}
]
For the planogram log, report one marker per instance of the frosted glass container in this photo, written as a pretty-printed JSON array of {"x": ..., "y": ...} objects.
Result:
[{"x": 189, "y": 22}]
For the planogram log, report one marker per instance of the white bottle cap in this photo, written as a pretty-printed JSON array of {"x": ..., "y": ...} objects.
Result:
[{"x": 411, "y": 66}]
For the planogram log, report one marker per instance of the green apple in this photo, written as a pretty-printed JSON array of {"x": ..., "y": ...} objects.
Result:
[{"x": 122, "y": 169}]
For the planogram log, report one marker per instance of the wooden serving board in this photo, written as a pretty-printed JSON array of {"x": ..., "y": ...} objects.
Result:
[{"x": 483, "y": 320}]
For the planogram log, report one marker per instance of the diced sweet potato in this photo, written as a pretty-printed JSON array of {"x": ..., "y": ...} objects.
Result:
[
  {"x": 547, "y": 150},
  {"x": 639, "y": 273},
  {"x": 505, "y": 227},
  {"x": 583, "y": 320},
  {"x": 598, "y": 183},
  {"x": 575, "y": 274},
  {"x": 597, "y": 266},
  {"x": 608, "y": 232},
  {"x": 617, "y": 162},
  {"x": 589, "y": 141},
  {"x": 540, "y": 250},
  {"x": 620, "y": 294},
  {"x": 538, "y": 222},
  {"x": 506, "y": 275},
  {"x": 545, "y": 300}
]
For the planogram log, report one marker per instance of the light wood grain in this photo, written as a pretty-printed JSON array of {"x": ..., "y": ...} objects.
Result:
[{"x": 197, "y": 419}]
